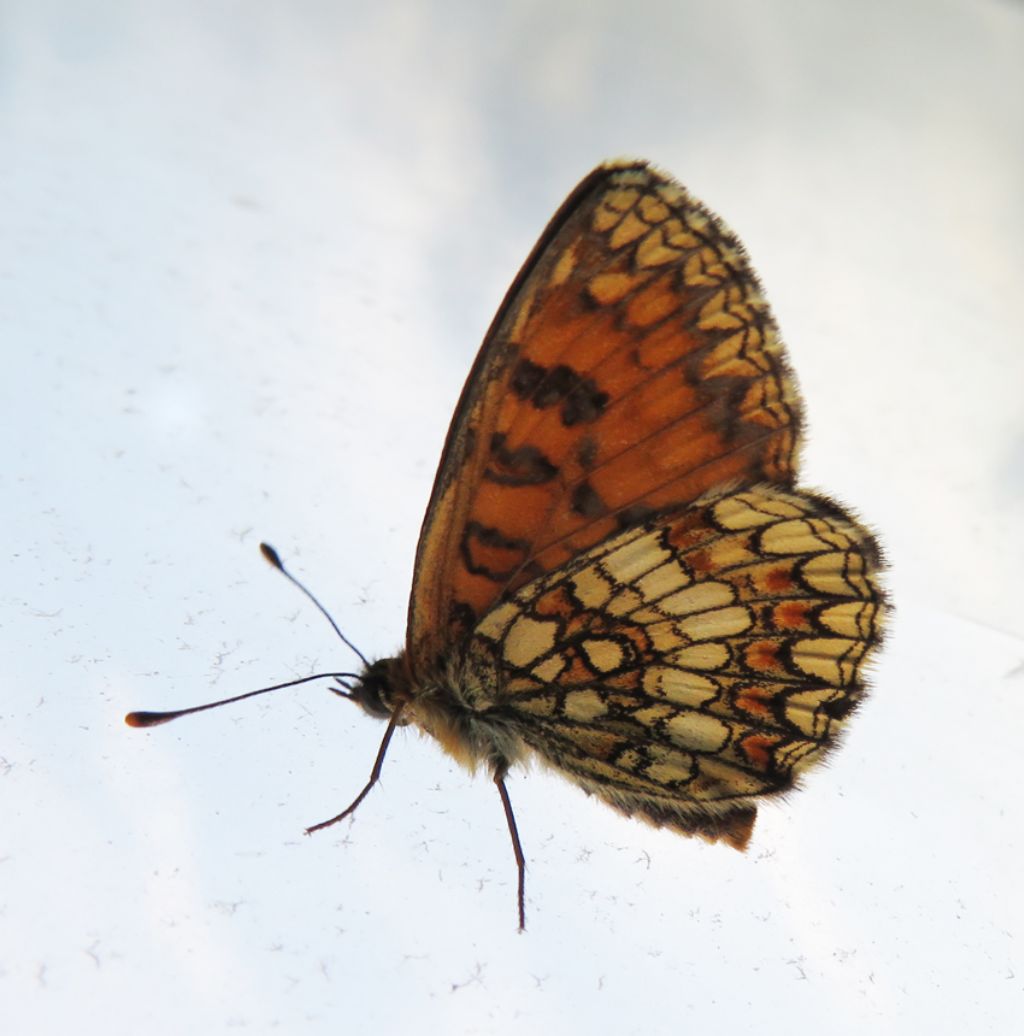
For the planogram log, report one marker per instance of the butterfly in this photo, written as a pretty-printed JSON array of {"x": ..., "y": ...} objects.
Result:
[{"x": 617, "y": 573}]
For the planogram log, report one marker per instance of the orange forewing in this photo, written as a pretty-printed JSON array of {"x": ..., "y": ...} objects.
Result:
[{"x": 633, "y": 365}]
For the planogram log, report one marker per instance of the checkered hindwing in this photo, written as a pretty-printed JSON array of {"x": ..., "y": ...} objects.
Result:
[{"x": 688, "y": 665}]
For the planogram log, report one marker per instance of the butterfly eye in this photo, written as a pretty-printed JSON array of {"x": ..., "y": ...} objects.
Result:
[
  {"x": 368, "y": 695},
  {"x": 373, "y": 691}
]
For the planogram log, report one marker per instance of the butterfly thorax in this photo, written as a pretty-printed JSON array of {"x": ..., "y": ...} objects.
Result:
[{"x": 443, "y": 705}]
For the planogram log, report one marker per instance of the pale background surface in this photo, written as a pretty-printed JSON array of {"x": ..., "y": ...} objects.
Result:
[{"x": 247, "y": 253}]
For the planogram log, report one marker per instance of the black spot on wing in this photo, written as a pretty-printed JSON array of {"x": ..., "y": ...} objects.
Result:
[
  {"x": 579, "y": 397},
  {"x": 587, "y": 503},
  {"x": 526, "y": 378},
  {"x": 586, "y": 452},
  {"x": 486, "y": 551},
  {"x": 522, "y": 466},
  {"x": 636, "y": 514}
]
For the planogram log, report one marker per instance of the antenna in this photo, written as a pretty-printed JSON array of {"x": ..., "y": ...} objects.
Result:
[
  {"x": 275, "y": 559},
  {"x": 154, "y": 719}
]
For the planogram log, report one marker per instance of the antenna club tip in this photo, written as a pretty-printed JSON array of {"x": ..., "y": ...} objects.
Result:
[
  {"x": 271, "y": 555},
  {"x": 146, "y": 719}
]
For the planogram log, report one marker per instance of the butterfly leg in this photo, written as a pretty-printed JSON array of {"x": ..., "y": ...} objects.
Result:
[
  {"x": 517, "y": 847},
  {"x": 378, "y": 765}
]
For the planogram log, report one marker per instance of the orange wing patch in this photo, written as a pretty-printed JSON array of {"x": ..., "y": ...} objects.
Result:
[{"x": 633, "y": 366}]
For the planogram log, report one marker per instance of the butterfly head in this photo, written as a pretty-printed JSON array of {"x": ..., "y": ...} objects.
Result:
[{"x": 375, "y": 689}]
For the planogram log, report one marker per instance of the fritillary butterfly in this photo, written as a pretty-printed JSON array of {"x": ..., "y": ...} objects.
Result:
[{"x": 617, "y": 573}]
